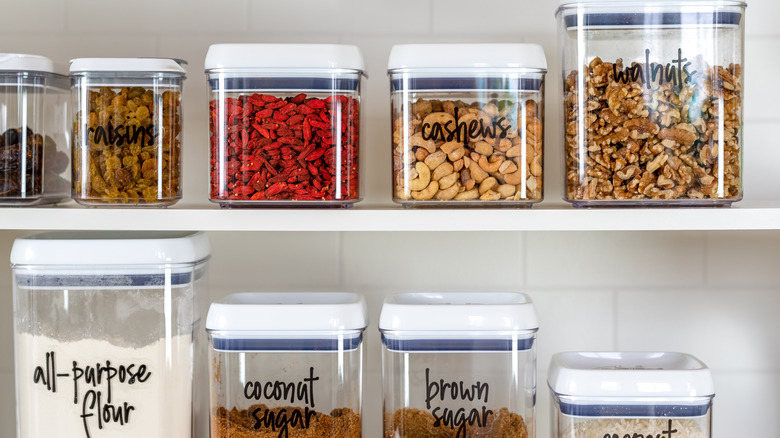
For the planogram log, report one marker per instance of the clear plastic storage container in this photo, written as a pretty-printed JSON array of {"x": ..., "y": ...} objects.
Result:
[
  {"x": 637, "y": 394},
  {"x": 459, "y": 364},
  {"x": 34, "y": 136},
  {"x": 284, "y": 124},
  {"x": 108, "y": 334},
  {"x": 286, "y": 365},
  {"x": 467, "y": 124},
  {"x": 127, "y": 131},
  {"x": 653, "y": 101}
]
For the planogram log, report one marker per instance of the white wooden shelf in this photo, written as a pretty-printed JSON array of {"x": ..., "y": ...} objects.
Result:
[{"x": 544, "y": 217}]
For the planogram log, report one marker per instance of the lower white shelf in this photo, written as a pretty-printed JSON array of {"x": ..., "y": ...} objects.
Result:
[{"x": 544, "y": 217}]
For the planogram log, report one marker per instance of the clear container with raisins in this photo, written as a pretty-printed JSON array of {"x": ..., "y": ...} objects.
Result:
[
  {"x": 127, "y": 125},
  {"x": 287, "y": 365},
  {"x": 459, "y": 364},
  {"x": 34, "y": 134},
  {"x": 284, "y": 125},
  {"x": 653, "y": 102},
  {"x": 467, "y": 124}
]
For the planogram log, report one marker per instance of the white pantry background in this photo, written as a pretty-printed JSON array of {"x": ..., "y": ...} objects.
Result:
[{"x": 714, "y": 294}]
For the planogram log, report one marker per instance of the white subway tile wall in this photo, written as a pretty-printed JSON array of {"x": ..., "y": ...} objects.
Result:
[{"x": 715, "y": 294}]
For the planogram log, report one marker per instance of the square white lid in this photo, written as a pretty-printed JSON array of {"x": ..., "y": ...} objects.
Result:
[
  {"x": 110, "y": 248},
  {"x": 466, "y": 56},
  {"x": 629, "y": 374},
  {"x": 284, "y": 56},
  {"x": 288, "y": 312},
  {"x": 458, "y": 311},
  {"x": 25, "y": 62},
  {"x": 648, "y": 7},
  {"x": 141, "y": 65}
]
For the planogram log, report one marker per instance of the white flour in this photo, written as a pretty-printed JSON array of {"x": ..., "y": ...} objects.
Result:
[{"x": 158, "y": 407}]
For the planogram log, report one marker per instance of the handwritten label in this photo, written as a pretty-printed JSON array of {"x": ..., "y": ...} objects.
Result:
[
  {"x": 295, "y": 392},
  {"x": 94, "y": 389},
  {"x": 676, "y": 72},
  {"x": 462, "y": 131},
  {"x": 121, "y": 134},
  {"x": 456, "y": 391},
  {"x": 668, "y": 433}
]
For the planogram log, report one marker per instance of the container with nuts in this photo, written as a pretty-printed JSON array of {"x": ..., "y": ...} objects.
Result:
[
  {"x": 34, "y": 139},
  {"x": 467, "y": 124},
  {"x": 126, "y": 131},
  {"x": 652, "y": 102}
]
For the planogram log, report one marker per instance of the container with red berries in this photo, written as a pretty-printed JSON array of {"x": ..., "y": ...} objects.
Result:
[{"x": 284, "y": 124}]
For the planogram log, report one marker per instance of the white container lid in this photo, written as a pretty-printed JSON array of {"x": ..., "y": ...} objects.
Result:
[
  {"x": 631, "y": 13},
  {"x": 284, "y": 56},
  {"x": 652, "y": 2},
  {"x": 145, "y": 65},
  {"x": 466, "y": 56},
  {"x": 629, "y": 374},
  {"x": 439, "y": 313},
  {"x": 278, "y": 312},
  {"x": 23, "y": 62},
  {"x": 110, "y": 248}
]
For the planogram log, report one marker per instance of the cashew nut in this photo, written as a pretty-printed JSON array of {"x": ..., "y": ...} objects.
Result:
[
  {"x": 433, "y": 160},
  {"x": 514, "y": 151},
  {"x": 467, "y": 195},
  {"x": 483, "y": 148},
  {"x": 477, "y": 173},
  {"x": 423, "y": 179},
  {"x": 457, "y": 165},
  {"x": 443, "y": 170},
  {"x": 490, "y": 196},
  {"x": 506, "y": 190},
  {"x": 420, "y": 154},
  {"x": 488, "y": 166},
  {"x": 457, "y": 154},
  {"x": 507, "y": 167},
  {"x": 448, "y": 180},
  {"x": 427, "y": 193},
  {"x": 536, "y": 167},
  {"x": 417, "y": 141},
  {"x": 515, "y": 177},
  {"x": 448, "y": 193},
  {"x": 487, "y": 184},
  {"x": 504, "y": 144},
  {"x": 451, "y": 146}
]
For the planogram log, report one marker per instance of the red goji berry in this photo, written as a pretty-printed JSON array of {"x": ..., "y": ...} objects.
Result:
[{"x": 275, "y": 189}]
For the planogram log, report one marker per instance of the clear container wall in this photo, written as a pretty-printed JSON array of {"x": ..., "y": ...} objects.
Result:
[
  {"x": 34, "y": 138},
  {"x": 652, "y": 102},
  {"x": 467, "y": 141},
  {"x": 126, "y": 139},
  {"x": 650, "y": 418},
  {"x": 106, "y": 353},
  {"x": 284, "y": 140},
  {"x": 443, "y": 388},
  {"x": 303, "y": 393}
]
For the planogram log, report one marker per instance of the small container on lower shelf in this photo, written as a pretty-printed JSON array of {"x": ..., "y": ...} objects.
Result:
[
  {"x": 597, "y": 395},
  {"x": 286, "y": 364},
  {"x": 34, "y": 134},
  {"x": 459, "y": 364}
]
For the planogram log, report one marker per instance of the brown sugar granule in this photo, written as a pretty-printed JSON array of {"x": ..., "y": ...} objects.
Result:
[
  {"x": 341, "y": 423},
  {"x": 417, "y": 423}
]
